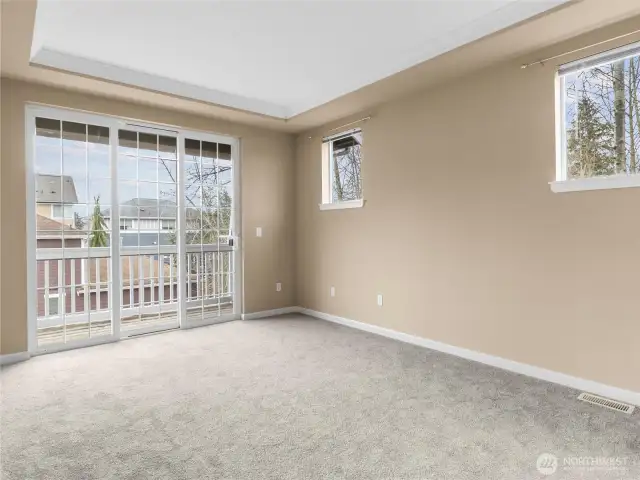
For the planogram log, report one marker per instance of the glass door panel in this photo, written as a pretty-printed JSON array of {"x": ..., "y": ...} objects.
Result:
[
  {"x": 147, "y": 220},
  {"x": 72, "y": 197},
  {"x": 133, "y": 229},
  {"x": 208, "y": 201}
]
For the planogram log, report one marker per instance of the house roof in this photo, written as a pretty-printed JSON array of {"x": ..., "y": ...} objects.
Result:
[
  {"x": 48, "y": 227},
  {"x": 149, "y": 208},
  {"x": 55, "y": 189}
]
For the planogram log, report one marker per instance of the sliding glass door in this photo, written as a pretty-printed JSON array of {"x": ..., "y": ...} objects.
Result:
[
  {"x": 132, "y": 228},
  {"x": 71, "y": 187},
  {"x": 208, "y": 221},
  {"x": 147, "y": 219}
]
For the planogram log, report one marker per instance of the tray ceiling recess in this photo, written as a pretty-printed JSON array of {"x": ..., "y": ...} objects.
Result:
[{"x": 274, "y": 58}]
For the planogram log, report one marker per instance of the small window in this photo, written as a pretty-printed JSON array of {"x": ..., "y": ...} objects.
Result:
[
  {"x": 167, "y": 224},
  {"x": 126, "y": 224},
  {"x": 599, "y": 121},
  {"x": 61, "y": 211},
  {"x": 341, "y": 170}
]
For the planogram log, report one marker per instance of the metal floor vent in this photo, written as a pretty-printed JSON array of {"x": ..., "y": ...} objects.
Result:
[{"x": 606, "y": 403}]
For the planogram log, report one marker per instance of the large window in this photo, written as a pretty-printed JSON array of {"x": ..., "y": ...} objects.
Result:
[
  {"x": 599, "y": 121},
  {"x": 341, "y": 170}
]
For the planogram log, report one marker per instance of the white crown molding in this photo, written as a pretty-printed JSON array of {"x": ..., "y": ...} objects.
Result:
[
  {"x": 67, "y": 62},
  {"x": 498, "y": 362}
]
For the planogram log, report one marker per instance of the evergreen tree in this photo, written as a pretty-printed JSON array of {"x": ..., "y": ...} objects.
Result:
[
  {"x": 591, "y": 142},
  {"x": 98, "y": 236}
]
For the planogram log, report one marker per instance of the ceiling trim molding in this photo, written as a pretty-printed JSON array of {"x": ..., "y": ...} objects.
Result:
[{"x": 62, "y": 61}]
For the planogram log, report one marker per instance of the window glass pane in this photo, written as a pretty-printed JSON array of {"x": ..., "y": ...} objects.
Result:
[
  {"x": 167, "y": 147},
  {"x": 167, "y": 171},
  {"x": 209, "y": 152},
  {"x": 127, "y": 167},
  {"x": 100, "y": 191},
  {"x": 346, "y": 159},
  {"x": 224, "y": 151},
  {"x": 98, "y": 135},
  {"x": 602, "y": 130},
  {"x": 148, "y": 145},
  {"x": 74, "y": 132},
  {"x": 148, "y": 190},
  {"x": 62, "y": 211},
  {"x": 127, "y": 142},
  {"x": 148, "y": 170},
  {"x": 46, "y": 127},
  {"x": 53, "y": 306},
  {"x": 192, "y": 150},
  {"x": 98, "y": 160},
  {"x": 168, "y": 193}
]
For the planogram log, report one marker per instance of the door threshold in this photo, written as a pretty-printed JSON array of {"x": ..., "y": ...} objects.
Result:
[{"x": 144, "y": 334}]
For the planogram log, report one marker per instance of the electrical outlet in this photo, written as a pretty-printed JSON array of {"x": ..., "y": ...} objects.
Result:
[
  {"x": 332, "y": 292},
  {"x": 258, "y": 231},
  {"x": 379, "y": 299},
  {"x": 278, "y": 287}
]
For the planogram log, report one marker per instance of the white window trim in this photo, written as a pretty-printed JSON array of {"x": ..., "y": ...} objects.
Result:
[
  {"x": 596, "y": 183},
  {"x": 327, "y": 175},
  {"x": 562, "y": 183},
  {"x": 342, "y": 205},
  {"x": 34, "y": 110}
]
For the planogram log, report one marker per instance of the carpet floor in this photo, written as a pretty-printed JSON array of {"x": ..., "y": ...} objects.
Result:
[{"x": 295, "y": 398}]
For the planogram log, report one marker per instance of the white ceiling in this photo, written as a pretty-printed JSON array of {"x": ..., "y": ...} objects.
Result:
[{"x": 277, "y": 58}]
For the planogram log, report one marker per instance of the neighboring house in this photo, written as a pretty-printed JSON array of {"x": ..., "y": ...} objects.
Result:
[
  {"x": 145, "y": 222},
  {"x": 52, "y": 294},
  {"x": 54, "y": 234},
  {"x": 55, "y": 197}
]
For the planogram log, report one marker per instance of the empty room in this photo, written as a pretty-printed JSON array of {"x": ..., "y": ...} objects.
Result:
[{"x": 315, "y": 239}]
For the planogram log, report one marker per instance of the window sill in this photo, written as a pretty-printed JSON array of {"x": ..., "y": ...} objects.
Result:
[
  {"x": 597, "y": 183},
  {"x": 342, "y": 205}
]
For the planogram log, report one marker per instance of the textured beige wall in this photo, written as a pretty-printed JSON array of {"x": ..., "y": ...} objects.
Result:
[
  {"x": 267, "y": 200},
  {"x": 463, "y": 237}
]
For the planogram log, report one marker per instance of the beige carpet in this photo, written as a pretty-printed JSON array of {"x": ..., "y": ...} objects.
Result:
[{"x": 293, "y": 398}]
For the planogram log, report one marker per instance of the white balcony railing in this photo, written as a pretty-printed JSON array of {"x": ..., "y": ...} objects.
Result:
[{"x": 75, "y": 285}]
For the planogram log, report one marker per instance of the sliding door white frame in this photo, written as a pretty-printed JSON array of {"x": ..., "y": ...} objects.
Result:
[{"x": 114, "y": 124}]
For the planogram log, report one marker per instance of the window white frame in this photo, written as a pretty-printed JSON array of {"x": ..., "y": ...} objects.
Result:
[
  {"x": 562, "y": 183},
  {"x": 32, "y": 111},
  {"x": 327, "y": 174}
]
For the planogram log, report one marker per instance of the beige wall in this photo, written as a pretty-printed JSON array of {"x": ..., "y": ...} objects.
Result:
[
  {"x": 462, "y": 235},
  {"x": 267, "y": 200}
]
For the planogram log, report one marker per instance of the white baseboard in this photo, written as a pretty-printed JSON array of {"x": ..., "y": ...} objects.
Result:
[
  {"x": 10, "y": 358},
  {"x": 270, "y": 313},
  {"x": 503, "y": 363}
]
